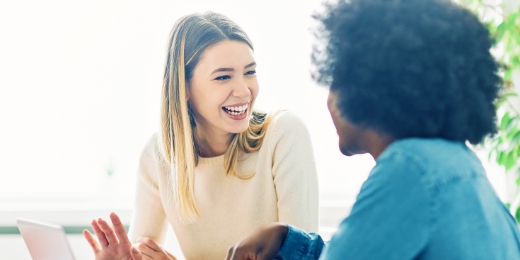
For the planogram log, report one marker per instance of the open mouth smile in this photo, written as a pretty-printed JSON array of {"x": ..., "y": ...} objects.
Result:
[{"x": 236, "y": 110}]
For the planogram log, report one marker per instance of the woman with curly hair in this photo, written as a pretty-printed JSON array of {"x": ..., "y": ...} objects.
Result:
[{"x": 411, "y": 82}]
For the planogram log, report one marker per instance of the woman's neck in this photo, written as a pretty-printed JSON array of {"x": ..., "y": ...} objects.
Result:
[
  {"x": 210, "y": 143},
  {"x": 377, "y": 142}
]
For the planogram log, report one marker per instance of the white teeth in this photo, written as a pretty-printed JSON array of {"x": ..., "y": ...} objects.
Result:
[{"x": 237, "y": 110}]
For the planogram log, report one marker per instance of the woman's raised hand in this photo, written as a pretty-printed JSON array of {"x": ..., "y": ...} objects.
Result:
[
  {"x": 151, "y": 250},
  {"x": 112, "y": 243}
]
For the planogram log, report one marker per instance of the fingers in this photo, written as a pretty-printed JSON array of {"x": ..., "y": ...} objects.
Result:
[
  {"x": 170, "y": 255},
  {"x": 150, "y": 243},
  {"x": 231, "y": 252},
  {"x": 151, "y": 250},
  {"x": 119, "y": 229},
  {"x": 92, "y": 241},
  {"x": 100, "y": 234},
  {"x": 146, "y": 250},
  {"x": 109, "y": 232},
  {"x": 136, "y": 255}
]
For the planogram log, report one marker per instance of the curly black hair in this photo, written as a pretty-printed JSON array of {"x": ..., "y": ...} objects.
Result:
[{"x": 409, "y": 68}]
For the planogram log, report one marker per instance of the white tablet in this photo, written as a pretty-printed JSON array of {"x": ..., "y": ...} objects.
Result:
[{"x": 45, "y": 241}]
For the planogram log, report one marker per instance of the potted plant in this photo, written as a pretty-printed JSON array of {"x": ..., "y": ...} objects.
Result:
[{"x": 502, "y": 18}]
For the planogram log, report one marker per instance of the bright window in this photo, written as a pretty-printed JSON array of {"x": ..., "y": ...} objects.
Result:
[{"x": 80, "y": 89}]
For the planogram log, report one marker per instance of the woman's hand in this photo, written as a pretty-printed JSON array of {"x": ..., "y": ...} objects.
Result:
[
  {"x": 151, "y": 250},
  {"x": 263, "y": 244},
  {"x": 113, "y": 242}
]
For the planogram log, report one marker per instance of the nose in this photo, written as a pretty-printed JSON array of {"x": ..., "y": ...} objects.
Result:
[{"x": 241, "y": 89}]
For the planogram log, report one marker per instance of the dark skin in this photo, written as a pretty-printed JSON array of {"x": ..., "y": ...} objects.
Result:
[
  {"x": 355, "y": 139},
  {"x": 265, "y": 243},
  {"x": 262, "y": 244}
]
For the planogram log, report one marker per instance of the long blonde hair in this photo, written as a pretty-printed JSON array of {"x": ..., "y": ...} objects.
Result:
[{"x": 189, "y": 37}]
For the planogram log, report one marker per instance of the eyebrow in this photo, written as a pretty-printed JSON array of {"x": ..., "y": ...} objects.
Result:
[{"x": 231, "y": 69}]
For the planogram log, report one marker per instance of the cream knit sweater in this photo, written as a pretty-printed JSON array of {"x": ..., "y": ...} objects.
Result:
[{"x": 284, "y": 188}]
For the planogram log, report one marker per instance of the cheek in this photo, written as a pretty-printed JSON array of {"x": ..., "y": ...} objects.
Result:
[
  {"x": 336, "y": 119},
  {"x": 347, "y": 142},
  {"x": 346, "y": 134},
  {"x": 344, "y": 137},
  {"x": 207, "y": 97},
  {"x": 254, "y": 88},
  {"x": 205, "y": 106}
]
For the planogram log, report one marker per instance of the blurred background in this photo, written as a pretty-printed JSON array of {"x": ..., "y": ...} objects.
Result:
[{"x": 80, "y": 85}]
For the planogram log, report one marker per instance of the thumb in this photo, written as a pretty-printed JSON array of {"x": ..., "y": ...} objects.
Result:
[
  {"x": 136, "y": 255},
  {"x": 170, "y": 255}
]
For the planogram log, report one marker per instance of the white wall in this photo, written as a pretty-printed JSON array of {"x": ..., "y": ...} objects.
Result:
[
  {"x": 79, "y": 94},
  {"x": 80, "y": 85}
]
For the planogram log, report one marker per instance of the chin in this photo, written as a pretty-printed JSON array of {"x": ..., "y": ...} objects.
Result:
[
  {"x": 346, "y": 151},
  {"x": 240, "y": 129}
]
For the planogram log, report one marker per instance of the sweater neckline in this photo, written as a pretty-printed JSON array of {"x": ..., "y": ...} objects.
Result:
[{"x": 211, "y": 160}]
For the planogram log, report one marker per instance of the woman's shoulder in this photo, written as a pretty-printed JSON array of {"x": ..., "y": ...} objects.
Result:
[
  {"x": 286, "y": 121},
  {"x": 286, "y": 125},
  {"x": 152, "y": 162},
  {"x": 152, "y": 148}
]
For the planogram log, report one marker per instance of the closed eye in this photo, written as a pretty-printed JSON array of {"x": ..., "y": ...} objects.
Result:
[{"x": 223, "y": 77}]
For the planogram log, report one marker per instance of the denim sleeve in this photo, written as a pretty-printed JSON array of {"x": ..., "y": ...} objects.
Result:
[
  {"x": 300, "y": 245},
  {"x": 391, "y": 217}
]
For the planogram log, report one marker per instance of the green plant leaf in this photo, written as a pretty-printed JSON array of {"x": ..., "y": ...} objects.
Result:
[
  {"x": 490, "y": 154},
  {"x": 515, "y": 139},
  {"x": 500, "y": 157},
  {"x": 511, "y": 127},
  {"x": 514, "y": 155},
  {"x": 497, "y": 142},
  {"x": 515, "y": 60},
  {"x": 506, "y": 97},
  {"x": 518, "y": 154},
  {"x": 511, "y": 131},
  {"x": 499, "y": 32},
  {"x": 509, "y": 161},
  {"x": 509, "y": 43},
  {"x": 505, "y": 121},
  {"x": 505, "y": 146}
]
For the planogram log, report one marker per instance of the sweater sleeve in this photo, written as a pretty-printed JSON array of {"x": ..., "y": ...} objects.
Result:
[
  {"x": 149, "y": 219},
  {"x": 294, "y": 173}
]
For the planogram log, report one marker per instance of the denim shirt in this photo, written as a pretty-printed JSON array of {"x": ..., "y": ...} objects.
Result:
[{"x": 424, "y": 199}]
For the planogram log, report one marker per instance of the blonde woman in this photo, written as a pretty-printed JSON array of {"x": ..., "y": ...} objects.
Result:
[{"x": 217, "y": 169}]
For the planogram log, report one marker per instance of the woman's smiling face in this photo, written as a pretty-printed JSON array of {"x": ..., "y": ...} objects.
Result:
[{"x": 223, "y": 88}]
